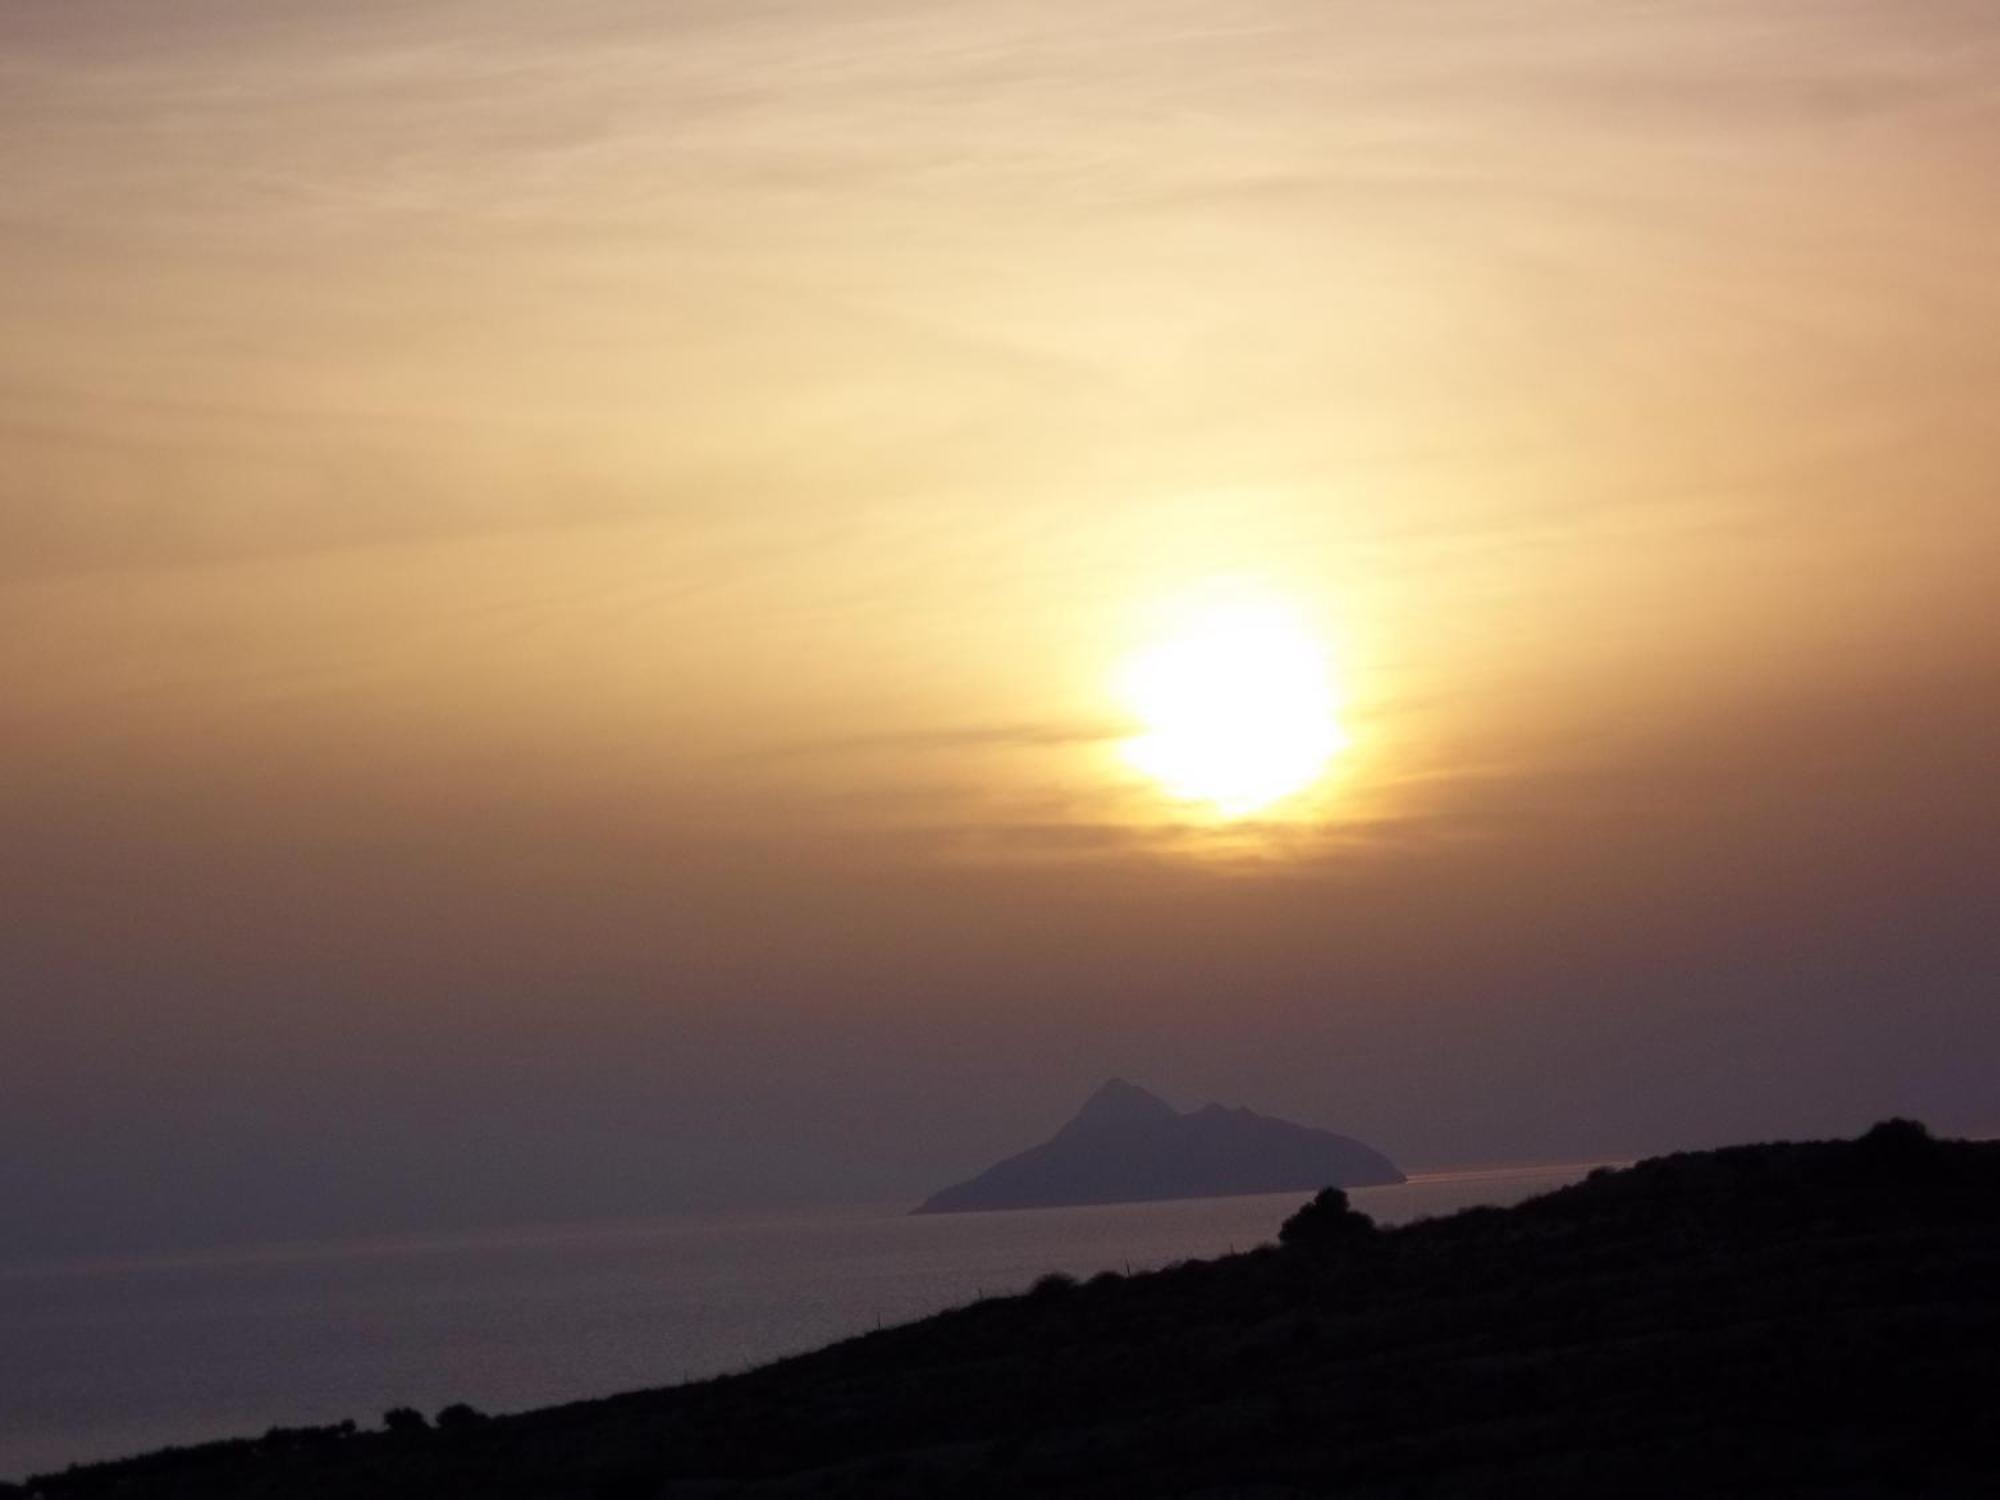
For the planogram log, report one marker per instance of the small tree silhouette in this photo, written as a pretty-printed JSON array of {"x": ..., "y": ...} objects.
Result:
[
  {"x": 458, "y": 1417},
  {"x": 1326, "y": 1223},
  {"x": 404, "y": 1421},
  {"x": 1899, "y": 1137}
]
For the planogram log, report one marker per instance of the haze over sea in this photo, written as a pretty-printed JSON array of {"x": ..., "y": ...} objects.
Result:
[{"x": 106, "y": 1358}]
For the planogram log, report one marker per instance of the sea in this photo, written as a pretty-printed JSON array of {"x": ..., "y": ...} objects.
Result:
[{"x": 101, "y": 1359}]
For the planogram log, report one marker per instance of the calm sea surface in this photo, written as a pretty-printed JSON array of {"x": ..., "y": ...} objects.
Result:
[{"x": 99, "y": 1360}]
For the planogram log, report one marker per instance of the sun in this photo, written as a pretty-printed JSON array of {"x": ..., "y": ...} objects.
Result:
[{"x": 1237, "y": 705}]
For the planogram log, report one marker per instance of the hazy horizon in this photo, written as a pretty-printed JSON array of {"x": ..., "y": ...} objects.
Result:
[{"x": 572, "y": 582}]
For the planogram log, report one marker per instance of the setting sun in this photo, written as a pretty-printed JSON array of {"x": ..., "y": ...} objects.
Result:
[{"x": 1237, "y": 705}]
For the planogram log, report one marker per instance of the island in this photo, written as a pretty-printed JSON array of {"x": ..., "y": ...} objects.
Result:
[{"x": 1127, "y": 1145}]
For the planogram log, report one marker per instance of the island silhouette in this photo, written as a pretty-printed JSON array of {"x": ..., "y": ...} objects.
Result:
[{"x": 1128, "y": 1145}]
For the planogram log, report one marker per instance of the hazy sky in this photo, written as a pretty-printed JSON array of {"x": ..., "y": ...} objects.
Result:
[{"x": 564, "y": 571}]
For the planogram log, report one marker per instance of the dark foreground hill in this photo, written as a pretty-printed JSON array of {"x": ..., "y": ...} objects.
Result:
[
  {"x": 1128, "y": 1146},
  {"x": 1814, "y": 1319}
]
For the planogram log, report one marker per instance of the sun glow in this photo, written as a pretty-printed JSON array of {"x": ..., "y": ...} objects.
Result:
[{"x": 1238, "y": 707}]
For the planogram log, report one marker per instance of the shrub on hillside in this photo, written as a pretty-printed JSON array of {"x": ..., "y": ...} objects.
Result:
[
  {"x": 1327, "y": 1222},
  {"x": 404, "y": 1421}
]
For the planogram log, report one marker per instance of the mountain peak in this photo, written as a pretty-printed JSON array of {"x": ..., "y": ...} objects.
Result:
[
  {"x": 1126, "y": 1094},
  {"x": 1128, "y": 1145},
  {"x": 1119, "y": 1103}
]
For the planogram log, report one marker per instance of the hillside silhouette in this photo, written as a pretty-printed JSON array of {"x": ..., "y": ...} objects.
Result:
[
  {"x": 1816, "y": 1318},
  {"x": 1127, "y": 1145}
]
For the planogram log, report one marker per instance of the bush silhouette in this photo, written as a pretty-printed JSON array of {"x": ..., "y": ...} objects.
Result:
[
  {"x": 404, "y": 1421},
  {"x": 1900, "y": 1139},
  {"x": 458, "y": 1417},
  {"x": 1325, "y": 1223}
]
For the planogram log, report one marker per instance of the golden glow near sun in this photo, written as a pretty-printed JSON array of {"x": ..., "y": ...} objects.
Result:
[{"x": 1238, "y": 707}]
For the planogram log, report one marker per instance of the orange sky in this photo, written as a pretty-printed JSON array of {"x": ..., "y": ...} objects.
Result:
[{"x": 583, "y": 553}]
